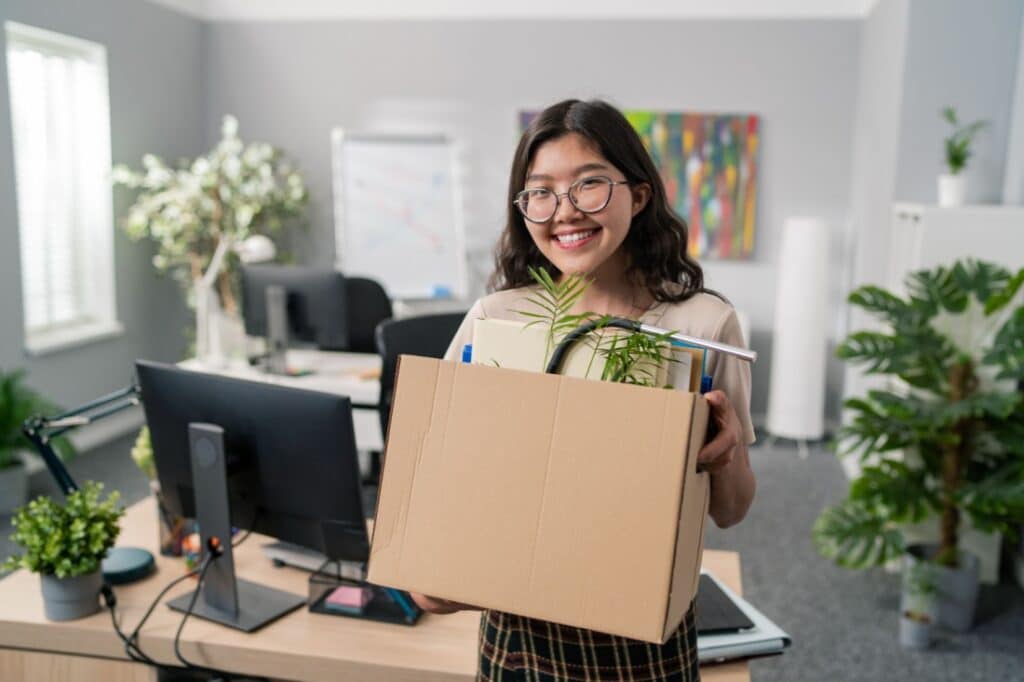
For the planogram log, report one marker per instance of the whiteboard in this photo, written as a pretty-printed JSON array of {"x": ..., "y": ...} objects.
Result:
[{"x": 398, "y": 213}]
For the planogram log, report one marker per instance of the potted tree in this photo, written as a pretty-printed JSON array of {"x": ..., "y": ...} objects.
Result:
[
  {"x": 953, "y": 185},
  {"x": 18, "y": 402},
  {"x": 65, "y": 544},
  {"x": 946, "y": 437},
  {"x": 204, "y": 216}
]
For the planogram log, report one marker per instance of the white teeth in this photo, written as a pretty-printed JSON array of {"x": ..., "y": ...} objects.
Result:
[{"x": 574, "y": 237}]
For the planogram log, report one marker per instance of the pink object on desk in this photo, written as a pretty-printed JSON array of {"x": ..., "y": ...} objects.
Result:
[{"x": 350, "y": 597}]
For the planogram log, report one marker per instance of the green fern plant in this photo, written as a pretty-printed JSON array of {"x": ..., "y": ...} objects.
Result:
[
  {"x": 631, "y": 358},
  {"x": 947, "y": 437},
  {"x": 958, "y": 144},
  {"x": 18, "y": 402}
]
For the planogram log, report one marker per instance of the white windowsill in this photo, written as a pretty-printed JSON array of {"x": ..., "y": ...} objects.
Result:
[{"x": 45, "y": 343}]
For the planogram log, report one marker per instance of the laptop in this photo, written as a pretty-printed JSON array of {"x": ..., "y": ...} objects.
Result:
[{"x": 730, "y": 628}]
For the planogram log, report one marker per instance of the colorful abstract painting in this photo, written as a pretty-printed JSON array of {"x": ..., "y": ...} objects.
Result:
[{"x": 708, "y": 163}]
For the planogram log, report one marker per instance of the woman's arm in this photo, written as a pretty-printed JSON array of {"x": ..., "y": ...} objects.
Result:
[{"x": 726, "y": 458}]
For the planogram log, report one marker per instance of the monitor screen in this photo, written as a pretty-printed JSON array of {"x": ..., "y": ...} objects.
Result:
[
  {"x": 292, "y": 467},
  {"x": 315, "y": 303}
]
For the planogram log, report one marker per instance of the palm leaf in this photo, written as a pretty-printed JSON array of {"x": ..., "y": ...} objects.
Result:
[
  {"x": 936, "y": 289},
  {"x": 855, "y": 536}
]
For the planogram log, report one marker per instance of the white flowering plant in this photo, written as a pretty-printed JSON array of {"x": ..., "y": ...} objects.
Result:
[{"x": 219, "y": 199}]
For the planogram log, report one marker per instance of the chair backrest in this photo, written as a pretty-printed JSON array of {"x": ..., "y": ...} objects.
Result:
[
  {"x": 367, "y": 306},
  {"x": 425, "y": 335}
]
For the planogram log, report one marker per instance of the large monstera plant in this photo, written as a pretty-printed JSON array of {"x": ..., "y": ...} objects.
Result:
[{"x": 946, "y": 434}]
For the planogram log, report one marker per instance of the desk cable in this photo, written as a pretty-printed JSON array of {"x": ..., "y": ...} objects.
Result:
[{"x": 131, "y": 645}]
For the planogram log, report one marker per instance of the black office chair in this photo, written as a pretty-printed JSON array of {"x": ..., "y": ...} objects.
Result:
[
  {"x": 425, "y": 335},
  {"x": 367, "y": 305}
]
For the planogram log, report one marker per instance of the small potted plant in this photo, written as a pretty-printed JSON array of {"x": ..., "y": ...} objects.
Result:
[
  {"x": 18, "y": 402},
  {"x": 953, "y": 185},
  {"x": 918, "y": 605},
  {"x": 65, "y": 544}
]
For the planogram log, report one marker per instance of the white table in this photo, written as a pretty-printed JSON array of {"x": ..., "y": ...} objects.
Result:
[{"x": 356, "y": 375}]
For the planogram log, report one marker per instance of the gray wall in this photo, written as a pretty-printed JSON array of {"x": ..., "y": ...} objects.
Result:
[
  {"x": 962, "y": 54},
  {"x": 290, "y": 83},
  {"x": 153, "y": 57}
]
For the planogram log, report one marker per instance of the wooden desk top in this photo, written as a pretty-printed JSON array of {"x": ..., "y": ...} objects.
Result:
[{"x": 302, "y": 645}]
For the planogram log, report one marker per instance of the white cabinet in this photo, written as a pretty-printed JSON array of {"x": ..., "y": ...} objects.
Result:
[{"x": 926, "y": 236}]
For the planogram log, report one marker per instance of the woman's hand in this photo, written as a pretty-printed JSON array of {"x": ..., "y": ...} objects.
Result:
[
  {"x": 718, "y": 452},
  {"x": 439, "y": 606},
  {"x": 726, "y": 458}
]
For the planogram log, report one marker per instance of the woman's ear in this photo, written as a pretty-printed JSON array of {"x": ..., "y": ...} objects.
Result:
[{"x": 641, "y": 195}]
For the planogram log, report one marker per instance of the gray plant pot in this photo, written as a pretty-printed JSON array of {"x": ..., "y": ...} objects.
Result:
[
  {"x": 957, "y": 591},
  {"x": 915, "y": 634},
  {"x": 13, "y": 488},
  {"x": 71, "y": 598}
]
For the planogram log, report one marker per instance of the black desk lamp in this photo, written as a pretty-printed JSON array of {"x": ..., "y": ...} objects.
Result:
[{"x": 122, "y": 564}]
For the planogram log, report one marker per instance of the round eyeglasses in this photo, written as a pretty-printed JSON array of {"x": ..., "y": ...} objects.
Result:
[{"x": 589, "y": 195}]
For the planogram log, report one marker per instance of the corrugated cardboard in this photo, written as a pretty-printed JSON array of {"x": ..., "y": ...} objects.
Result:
[
  {"x": 517, "y": 345},
  {"x": 557, "y": 498}
]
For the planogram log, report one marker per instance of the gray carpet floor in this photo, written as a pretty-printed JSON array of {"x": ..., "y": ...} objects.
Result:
[{"x": 843, "y": 623}]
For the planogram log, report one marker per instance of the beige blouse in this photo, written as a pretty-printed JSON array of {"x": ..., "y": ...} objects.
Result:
[{"x": 703, "y": 315}]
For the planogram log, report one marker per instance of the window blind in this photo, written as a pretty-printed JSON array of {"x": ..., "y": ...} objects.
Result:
[{"x": 61, "y": 127}]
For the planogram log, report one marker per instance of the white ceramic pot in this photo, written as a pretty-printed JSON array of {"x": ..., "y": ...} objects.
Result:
[{"x": 952, "y": 189}]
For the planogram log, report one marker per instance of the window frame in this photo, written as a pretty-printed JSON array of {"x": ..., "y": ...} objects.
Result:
[{"x": 97, "y": 319}]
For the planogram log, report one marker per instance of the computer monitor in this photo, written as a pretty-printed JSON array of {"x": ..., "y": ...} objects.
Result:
[
  {"x": 277, "y": 460},
  {"x": 286, "y": 302}
]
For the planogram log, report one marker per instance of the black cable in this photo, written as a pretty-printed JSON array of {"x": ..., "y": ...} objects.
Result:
[
  {"x": 131, "y": 647},
  {"x": 555, "y": 364},
  {"x": 210, "y": 557},
  {"x": 248, "y": 531}
]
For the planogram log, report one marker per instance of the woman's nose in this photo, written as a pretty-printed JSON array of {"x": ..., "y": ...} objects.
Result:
[{"x": 566, "y": 211}]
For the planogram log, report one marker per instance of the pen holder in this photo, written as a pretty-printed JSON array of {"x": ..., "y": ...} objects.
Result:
[
  {"x": 331, "y": 593},
  {"x": 173, "y": 529}
]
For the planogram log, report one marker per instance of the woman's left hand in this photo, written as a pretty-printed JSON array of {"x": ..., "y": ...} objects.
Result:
[{"x": 718, "y": 452}]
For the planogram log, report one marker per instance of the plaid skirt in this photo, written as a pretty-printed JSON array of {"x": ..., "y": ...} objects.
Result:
[{"x": 514, "y": 648}]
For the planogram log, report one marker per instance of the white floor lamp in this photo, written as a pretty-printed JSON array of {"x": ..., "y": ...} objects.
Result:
[{"x": 796, "y": 398}]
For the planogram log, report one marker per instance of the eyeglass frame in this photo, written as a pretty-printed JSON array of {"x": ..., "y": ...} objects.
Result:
[{"x": 568, "y": 193}]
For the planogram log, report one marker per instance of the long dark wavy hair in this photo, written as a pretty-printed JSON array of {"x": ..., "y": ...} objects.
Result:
[{"x": 657, "y": 239}]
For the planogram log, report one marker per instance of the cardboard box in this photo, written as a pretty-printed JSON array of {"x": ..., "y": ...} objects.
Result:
[{"x": 564, "y": 499}]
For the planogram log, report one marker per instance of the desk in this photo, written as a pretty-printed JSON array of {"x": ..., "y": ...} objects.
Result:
[
  {"x": 300, "y": 646},
  {"x": 356, "y": 375}
]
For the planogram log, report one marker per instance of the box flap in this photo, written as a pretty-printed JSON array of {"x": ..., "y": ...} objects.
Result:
[{"x": 692, "y": 517}]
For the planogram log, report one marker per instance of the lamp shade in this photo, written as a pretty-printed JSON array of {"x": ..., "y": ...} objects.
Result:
[{"x": 796, "y": 398}]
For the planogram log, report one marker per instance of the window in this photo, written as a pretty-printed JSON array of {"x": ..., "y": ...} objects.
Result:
[{"x": 61, "y": 126}]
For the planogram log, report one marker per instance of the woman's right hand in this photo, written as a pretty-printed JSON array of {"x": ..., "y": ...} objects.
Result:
[{"x": 439, "y": 606}]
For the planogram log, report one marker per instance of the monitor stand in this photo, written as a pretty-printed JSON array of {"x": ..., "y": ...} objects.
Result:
[
  {"x": 224, "y": 599},
  {"x": 277, "y": 330}
]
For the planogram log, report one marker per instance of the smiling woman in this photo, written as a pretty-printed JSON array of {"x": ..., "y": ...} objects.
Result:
[{"x": 586, "y": 199}]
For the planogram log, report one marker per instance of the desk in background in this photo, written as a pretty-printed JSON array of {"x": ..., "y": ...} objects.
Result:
[
  {"x": 300, "y": 646},
  {"x": 356, "y": 375}
]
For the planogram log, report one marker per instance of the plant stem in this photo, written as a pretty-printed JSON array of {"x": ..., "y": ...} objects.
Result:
[{"x": 954, "y": 457}]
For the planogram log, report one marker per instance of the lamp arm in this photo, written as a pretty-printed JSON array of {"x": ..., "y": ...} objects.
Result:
[{"x": 41, "y": 430}]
